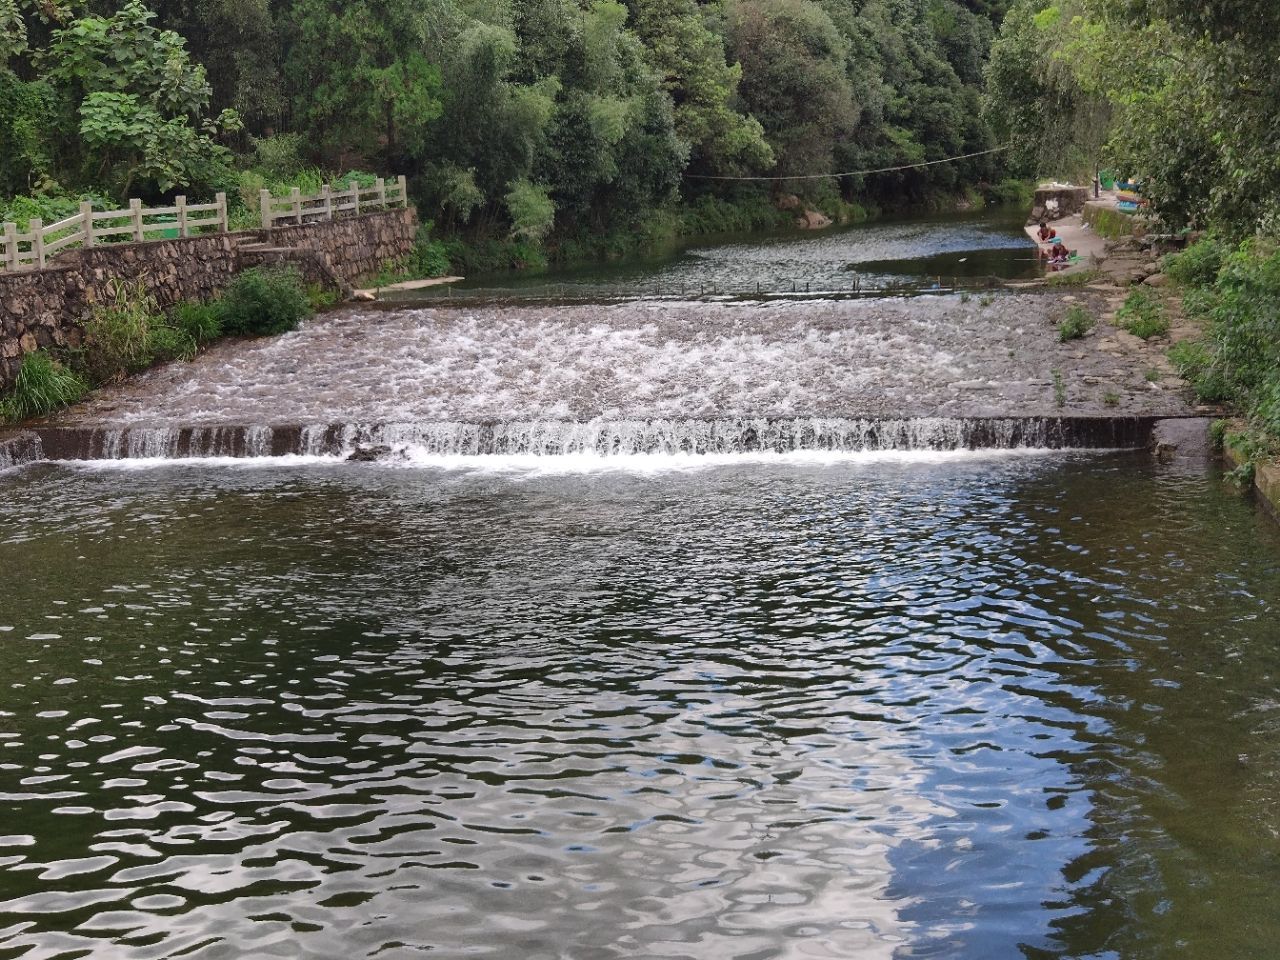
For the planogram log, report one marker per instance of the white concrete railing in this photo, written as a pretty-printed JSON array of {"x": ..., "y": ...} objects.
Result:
[
  {"x": 329, "y": 203},
  {"x": 33, "y": 250}
]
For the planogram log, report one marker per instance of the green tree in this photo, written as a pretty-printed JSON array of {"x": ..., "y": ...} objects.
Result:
[
  {"x": 139, "y": 103},
  {"x": 794, "y": 79},
  {"x": 689, "y": 57},
  {"x": 359, "y": 77}
]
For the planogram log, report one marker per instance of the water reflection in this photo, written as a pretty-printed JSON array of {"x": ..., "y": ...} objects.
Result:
[
  {"x": 988, "y": 244},
  {"x": 965, "y": 709}
]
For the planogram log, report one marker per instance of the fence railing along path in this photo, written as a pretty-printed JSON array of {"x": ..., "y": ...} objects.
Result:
[
  {"x": 35, "y": 247},
  {"x": 299, "y": 208}
]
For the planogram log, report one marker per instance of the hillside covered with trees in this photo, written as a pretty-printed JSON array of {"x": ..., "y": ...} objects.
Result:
[{"x": 514, "y": 119}]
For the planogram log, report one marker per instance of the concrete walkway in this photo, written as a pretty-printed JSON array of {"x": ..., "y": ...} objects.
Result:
[{"x": 1079, "y": 238}]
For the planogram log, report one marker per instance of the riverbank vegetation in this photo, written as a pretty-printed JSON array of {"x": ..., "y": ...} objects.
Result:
[
  {"x": 551, "y": 128},
  {"x": 1184, "y": 96},
  {"x": 129, "y": 333}
]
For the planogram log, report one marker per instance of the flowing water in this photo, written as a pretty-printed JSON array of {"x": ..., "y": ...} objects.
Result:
[
  {"x": 683, "y": 629},
  {"x": 819, "y": 705}
]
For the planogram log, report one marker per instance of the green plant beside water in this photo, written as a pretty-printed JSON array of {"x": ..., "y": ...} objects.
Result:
[
  {"x": 128, "y": 334},
  {"x": 1143, "y": 315},
  {"x": 43, "y": 385},
  {"x": 1059, "y": 389},
  {"x": 1078, "y": 322},
  {"x": 263, "y": 302}
]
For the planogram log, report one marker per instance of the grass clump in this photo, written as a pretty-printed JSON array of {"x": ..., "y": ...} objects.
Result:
[
  {"x": 202, "y": 322},
  {"x": 1195, "y": 363},
  {"x": 1111, "y": 398},
  {"x": 1075, "y": 324},
  {"x": 42, "y": 386},
  {"x": 263, "y": 302},
  {"x": 129, "y": 334},
  {"x": 1198, "y": 265},
  {"x": 1143, "y": 315},
  {"x": 1059, "y": 389}
]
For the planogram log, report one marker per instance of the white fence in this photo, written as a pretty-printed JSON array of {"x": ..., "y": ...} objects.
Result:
[
  {"x": 33, "y": 250},
  {"x": 329, "y": 203}
]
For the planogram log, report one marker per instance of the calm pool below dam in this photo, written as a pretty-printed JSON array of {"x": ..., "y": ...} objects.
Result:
[{"x": 865, "y": 705}]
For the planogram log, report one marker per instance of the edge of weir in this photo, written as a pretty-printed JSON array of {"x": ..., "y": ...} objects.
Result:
[{"x": 744, "y": 434}]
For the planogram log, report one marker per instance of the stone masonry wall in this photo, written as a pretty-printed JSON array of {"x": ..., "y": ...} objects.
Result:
[{"x": 40, "y": 309}]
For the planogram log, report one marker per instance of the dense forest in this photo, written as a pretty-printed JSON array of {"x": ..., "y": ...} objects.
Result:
[{"x": 522, "y": 119}]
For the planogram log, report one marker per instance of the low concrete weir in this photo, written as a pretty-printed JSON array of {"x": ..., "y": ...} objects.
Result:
[
  {"x": 601, "y": 437},
  {"x": 19, "y": 449}
]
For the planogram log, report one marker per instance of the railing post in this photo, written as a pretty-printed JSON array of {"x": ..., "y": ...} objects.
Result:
[
  {"x": 381, "y": 184},
  {"x": 11, "y": 245},
  {"x": 86, "y": 215},
  {"x": 181, "y": 204},
  {"x": 404, "y": 190},
  {"x": 327, "y": 195},
  {"x": 355, "y": 195},
  {"x": 296, "y": 196},
  {"x": 264, "y": 205},
  {"x": 224, "y": 220},
  {"x": 37, "y": 243},
  {"x": 135, "y": 213}
]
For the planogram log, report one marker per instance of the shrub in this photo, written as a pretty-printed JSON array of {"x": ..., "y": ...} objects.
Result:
[
  {"x": 118, "y": 338},
  {"x": 1198, "y": 265},
  {"x": 202, "y": 322},
  {"x": 1075, "y": 324},
  {"x": 263, "y": 302},
  {"x": 42, "y": 386},
  {"x": 429, "y": 258},
  {"x": 1143, "y": 315},
  {"x": 1196, "y": 363}
]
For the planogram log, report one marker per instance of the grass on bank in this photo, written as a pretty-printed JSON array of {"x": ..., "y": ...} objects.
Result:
[
  {"x": 1235, "y": 292},
  {"x": 1143, "y": 315},
  {"x": 1078, "y": 322},
  {"x": 130, "y": 333}
]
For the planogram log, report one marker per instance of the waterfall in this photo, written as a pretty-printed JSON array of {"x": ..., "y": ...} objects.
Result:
[
  {"x": 23, "y": 448},
  {"x": 601, "y": 437}
]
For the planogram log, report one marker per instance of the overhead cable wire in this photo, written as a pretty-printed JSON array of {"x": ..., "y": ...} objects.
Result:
[{"x": 854, "y": 173}]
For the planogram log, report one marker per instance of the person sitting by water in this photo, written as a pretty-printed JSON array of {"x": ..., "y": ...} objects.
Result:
[{"x": 1047, "y": 233}]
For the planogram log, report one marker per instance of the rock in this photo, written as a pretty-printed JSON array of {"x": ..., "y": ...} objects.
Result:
[
  {"x": 788, "y": 201},
  {"x": 813, "y": 220},
  {"x": 364, "y": 296},
  {"x": 1156, "y": 280},
  {"x": 370, "y": 454}
]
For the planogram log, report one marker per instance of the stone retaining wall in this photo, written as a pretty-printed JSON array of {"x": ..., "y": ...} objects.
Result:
[{"x": 45, "y": 308}]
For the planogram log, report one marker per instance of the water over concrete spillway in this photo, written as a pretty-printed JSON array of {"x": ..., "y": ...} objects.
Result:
[{"x": 936, "y": 372}]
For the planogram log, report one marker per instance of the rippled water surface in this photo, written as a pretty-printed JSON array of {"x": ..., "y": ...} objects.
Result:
[
  {"x": 986, "y": 244},
  {"x": 962, "y": 707}
]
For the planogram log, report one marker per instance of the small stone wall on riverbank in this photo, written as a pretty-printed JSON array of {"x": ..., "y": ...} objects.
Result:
[{"x": 45, "y": 308}]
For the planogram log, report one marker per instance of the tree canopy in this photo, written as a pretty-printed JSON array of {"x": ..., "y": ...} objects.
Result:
[{"x": 518, "y": 118}]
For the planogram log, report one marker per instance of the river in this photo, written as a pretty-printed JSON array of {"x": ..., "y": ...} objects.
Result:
[{"x": 791, "y": 699}]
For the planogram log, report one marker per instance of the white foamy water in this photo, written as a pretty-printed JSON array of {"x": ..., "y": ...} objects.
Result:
[
  {"x": 932, "y": 357},
  {"x": 419, "y": 458}
]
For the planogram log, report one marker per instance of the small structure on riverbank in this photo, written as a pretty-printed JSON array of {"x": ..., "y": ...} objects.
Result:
[{"x": 1056, "y": 201}]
